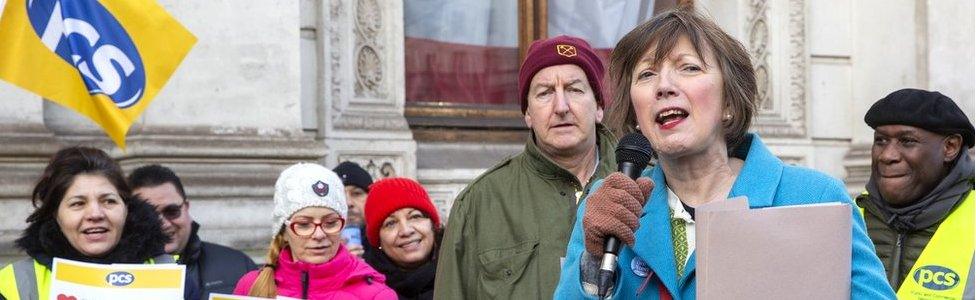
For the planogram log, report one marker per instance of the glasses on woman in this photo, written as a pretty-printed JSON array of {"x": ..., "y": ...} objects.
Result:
[
  {"x": 172, "y": 211},
  {"x": 306, "y": 228}
]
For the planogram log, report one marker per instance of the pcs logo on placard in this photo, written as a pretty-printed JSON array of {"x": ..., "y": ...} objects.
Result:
[
  {"x": 936, "y": 277},
  {"x": 87, "y": 36},
  {"x": 120, "y": 278}
]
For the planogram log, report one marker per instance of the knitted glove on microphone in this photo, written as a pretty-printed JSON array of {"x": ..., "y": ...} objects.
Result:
[{"x": 614, "y": 210}]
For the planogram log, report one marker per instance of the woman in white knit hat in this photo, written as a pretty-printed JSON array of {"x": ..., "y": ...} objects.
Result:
[{"x": 306, "y": 259}]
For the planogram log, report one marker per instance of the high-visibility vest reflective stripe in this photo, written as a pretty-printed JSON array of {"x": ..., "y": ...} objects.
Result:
[
  {"x": 943, "y": 269},
  {"x": 25, "y": 279},
  {"x": 30, "y": 280}
]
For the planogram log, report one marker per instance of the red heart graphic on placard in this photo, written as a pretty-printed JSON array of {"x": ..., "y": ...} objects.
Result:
[{"x": 66, "y": 297}]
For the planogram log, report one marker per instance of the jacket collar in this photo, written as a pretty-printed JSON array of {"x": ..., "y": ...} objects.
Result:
[
  {"x": 545, "y": 167},
  {"x": 931, "y": 208},
  {"x": 407, "y": 283},
  {"x": 191, "y": 253},
  {"x": 325, "y": 277},
  {"x": 760, "y": 175},
  {"x": 758, "y": 178}
]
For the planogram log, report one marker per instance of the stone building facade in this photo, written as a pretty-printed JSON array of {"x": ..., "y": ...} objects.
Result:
[{"x": 270, "y": 83}]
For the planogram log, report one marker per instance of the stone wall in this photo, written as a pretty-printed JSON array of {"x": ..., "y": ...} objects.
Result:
[{"x": 270, "y": 83}]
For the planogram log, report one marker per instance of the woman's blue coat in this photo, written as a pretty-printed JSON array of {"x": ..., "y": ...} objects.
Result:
[{"x": 766, "y": 182}]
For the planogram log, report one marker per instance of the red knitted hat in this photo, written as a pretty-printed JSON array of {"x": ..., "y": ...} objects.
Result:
[
  {"x": 391, "y": 194},
  {"x": 561, "y": 50}
]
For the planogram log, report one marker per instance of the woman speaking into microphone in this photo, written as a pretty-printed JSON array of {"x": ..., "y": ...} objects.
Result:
[{"x": 690, "y": 89}]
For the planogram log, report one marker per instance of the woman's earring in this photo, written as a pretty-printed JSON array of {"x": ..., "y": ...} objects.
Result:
[{"x": 727, "y": 117}]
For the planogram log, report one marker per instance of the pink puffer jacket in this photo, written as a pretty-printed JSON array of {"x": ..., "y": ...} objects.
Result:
[{"x": 343, "y": 277}]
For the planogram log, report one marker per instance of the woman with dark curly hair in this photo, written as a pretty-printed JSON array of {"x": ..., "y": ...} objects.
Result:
[{"x": 84, "y": 212}]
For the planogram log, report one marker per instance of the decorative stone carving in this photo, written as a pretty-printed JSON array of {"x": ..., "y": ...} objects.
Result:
[
  {"x": 378, "y": 166},
  {"x": 335, "y": 59},
  {"x": 781, "y": 109},
  {"x": 368, "y": 18},
  {"x": 369, "y": 64},
  {"x": 364, "y": 121},
  {"x": 369, "y": 70},
  {"x": 759, "y": 46},
  {"x": 798, "y": 66}
]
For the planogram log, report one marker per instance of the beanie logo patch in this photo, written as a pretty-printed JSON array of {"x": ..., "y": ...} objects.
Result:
[
  {"x": 320, "y": 188},
  {"x": 566, "y": 50}
]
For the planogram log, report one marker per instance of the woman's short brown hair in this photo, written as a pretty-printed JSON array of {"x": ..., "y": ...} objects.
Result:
[
  {"x": 662, "y": 33},
  {"x": 61, "y": 172}
]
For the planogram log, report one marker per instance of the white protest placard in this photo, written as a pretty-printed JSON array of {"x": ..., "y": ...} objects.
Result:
[{"x": 87, "y": 281}]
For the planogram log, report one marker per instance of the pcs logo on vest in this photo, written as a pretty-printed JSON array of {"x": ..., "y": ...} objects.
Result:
[
  {"x": 120, "y": 278},
  {"x": 936, "y": 277},
  {"x": 89, "y": 38}
]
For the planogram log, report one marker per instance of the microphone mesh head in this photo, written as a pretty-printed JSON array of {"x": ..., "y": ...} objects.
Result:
[{"x": 634, "y": 148}]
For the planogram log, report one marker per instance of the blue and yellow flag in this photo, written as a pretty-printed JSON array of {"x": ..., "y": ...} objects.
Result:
[{"x": 105, "y": 59}]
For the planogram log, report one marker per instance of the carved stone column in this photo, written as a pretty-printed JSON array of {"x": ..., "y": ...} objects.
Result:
[{"x": 361, "y": 116}]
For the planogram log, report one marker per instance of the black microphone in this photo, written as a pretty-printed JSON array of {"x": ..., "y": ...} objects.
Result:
[{"x": 633, "y": 154}]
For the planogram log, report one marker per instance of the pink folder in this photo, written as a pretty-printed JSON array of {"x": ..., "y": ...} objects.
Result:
[{"x": 785, "y": 252}]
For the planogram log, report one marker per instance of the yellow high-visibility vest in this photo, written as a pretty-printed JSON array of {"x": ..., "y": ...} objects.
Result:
[
  {"x": 942, "y": 271},
  {"x": 28, "y": 279}
]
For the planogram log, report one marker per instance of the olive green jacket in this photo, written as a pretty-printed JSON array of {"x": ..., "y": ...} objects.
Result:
[{"x": 508, "y": 230}]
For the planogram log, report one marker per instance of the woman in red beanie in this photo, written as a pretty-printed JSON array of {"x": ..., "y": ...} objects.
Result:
[{"x": 403, "y": 223}]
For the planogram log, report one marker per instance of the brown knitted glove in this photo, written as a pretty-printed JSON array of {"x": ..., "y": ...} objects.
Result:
[{"x": 614, "y": 210}]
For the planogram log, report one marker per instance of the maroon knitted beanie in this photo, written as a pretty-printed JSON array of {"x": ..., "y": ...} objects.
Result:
[{"x": 561, "y": 50}]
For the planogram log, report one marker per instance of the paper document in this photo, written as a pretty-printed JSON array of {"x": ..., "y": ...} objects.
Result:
[
  {"x": 87, "y": 281},
  {"x": 785, "y": 252}
]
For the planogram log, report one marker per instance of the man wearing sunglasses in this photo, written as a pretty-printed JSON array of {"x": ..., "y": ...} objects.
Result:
[{"x": 210, "y": 268}]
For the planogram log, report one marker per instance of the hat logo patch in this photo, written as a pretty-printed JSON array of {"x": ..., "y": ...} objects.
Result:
[
  {"x": 566, "y": 50},
  {"x": 320, "y": 188}
]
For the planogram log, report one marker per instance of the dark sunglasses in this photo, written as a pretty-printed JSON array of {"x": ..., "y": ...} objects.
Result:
[{"x": 172, "y": 211}]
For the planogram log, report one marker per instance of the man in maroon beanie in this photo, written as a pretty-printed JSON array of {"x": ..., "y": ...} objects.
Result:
[{"x": 508, "y": 230}]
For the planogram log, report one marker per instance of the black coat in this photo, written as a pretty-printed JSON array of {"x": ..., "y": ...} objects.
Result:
[
  {"x": 212, "y": 268},
  {"x": 409, "y": 284},
  {"x": 142, "y": 238}
]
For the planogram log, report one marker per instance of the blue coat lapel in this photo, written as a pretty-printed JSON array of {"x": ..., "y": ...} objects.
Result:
[
  {"x": 758, "y": 179},
  {"x": 760, "y": 175},
  {"x": 654, "y": 234},
  {"x": 689, "y": 269}
]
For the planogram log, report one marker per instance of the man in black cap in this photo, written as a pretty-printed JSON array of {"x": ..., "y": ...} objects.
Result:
[
  {"x": 919, "y": 201},
  {"x": 357, "y": 182}
]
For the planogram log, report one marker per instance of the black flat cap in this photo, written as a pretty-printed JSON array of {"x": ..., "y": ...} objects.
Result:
[
  {"x": 354, "y": 175},
  {"x": 931, "y": 111}
]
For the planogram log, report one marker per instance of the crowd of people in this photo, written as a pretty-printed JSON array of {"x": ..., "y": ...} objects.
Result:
[{"x": 534, "y": 225}]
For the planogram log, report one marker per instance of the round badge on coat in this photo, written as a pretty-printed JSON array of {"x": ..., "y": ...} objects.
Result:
[{"x": 639, "y": 267}]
